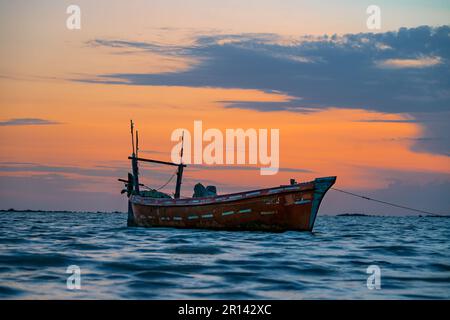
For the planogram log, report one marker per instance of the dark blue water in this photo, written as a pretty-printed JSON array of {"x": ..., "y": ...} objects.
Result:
[{"x": 117, "y": 262}]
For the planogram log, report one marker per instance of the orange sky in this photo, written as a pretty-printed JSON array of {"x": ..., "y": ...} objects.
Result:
[{"x": 94, "y": 120}]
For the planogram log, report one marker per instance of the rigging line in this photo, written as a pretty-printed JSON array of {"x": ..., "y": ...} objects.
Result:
[
  {"x": 385, "y": 202},
  {"x": 168, "y": 181}
]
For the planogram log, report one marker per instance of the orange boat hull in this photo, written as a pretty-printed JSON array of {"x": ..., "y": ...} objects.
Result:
[{"x": 283, "y": 208}]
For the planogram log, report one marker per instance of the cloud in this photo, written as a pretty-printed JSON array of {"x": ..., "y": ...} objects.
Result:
[
  {"x": 339, "y": 71},
  {"x": 422, "y": 62},
  {"x": 388, "y": 121},
  {"x": 407, "y": 71},
  {"x": 294, "y": 105},
  {"x": 243, "y": 168},
  {"x": 42, "y": 168},
  {"x": 154, "y": 152},
  {"x": 168, "y": 50},
  {"x": 27, "y": 122},
  {"x": 435, "y": 134}
]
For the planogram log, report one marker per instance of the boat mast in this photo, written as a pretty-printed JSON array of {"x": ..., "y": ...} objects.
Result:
[{"x": 134, "y": 162}]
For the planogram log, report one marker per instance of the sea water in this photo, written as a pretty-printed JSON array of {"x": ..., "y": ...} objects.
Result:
[{"x": 39, "y": 251}]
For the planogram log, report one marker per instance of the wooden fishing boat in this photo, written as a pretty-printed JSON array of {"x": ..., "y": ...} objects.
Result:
[{"x": 286, "y": 207}]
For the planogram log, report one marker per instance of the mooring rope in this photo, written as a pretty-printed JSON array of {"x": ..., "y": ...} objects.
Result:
[{"x": 385, "y": 202}]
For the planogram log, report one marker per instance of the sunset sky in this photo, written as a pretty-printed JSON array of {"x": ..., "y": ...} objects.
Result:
[{"x": 369, "y": 106}]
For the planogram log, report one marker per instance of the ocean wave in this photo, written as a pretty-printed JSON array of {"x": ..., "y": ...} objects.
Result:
[{"x": 117, "y": 262}]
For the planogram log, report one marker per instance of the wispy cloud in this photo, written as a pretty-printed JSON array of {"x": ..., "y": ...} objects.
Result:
[
  {"x": 43, "y": 168},
  {"x": 154, "y": 152},
  {"x": 388, "y": 120},
  {"x": 242, "y": 168},
  {"x": 293, "y": 105},
  {"x": 167, "y": 50},
  {"x": 28, "y": 122},
  {"x": 422, "y": 62}
]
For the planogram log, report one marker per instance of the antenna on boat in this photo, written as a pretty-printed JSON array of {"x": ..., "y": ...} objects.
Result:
[
  {"x": 137, "y": 144},
  {"x": 182, "y": 148},
  {"x": 180, "y": 171}
]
